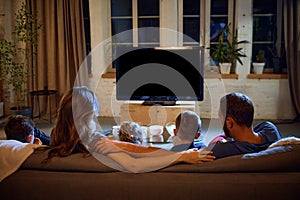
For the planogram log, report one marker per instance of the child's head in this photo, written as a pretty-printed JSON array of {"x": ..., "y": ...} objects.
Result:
[
  {"x": 188, "y": 126},
  {"x": 131, "y": 132},
  {"x": 21, "y": 128}
]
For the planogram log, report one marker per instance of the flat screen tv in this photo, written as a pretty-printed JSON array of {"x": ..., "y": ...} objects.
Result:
[{"x": 159, "y": 75}]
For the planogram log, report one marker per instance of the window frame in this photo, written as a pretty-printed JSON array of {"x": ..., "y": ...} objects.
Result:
[{"x": 171, "y": 17}]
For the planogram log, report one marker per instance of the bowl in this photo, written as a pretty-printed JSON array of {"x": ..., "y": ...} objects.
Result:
[
  {"x": 170, "y": 126},
  {"x": 156, "y": 138},
  {"x": 156, "y": 130}
]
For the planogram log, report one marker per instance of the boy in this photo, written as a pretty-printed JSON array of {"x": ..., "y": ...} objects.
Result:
[
  {"x": 188, "y": 126},
  {"x": 22, "y": 128}
]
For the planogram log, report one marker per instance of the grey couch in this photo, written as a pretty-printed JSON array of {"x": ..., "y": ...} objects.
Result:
[{"x": 265, "y": 175}]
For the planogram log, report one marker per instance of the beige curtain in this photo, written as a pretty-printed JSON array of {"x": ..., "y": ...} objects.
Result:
[
  {"x": 61, "y": 48},
  {"x": 61, "y": 45},
  {"x": 291, "y": 15}
]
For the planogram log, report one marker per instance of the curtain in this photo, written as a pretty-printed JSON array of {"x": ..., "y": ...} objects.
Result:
[
  {"x": 61, "y": 44},
  {"x": 291, "y": 15}
]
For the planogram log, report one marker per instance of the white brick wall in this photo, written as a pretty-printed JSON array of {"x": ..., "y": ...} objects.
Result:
[{"x": 271, "y": 97}]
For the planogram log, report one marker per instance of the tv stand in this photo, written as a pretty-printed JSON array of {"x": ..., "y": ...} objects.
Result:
[
  {"x": 162, "y": 103},
  {"x": 152, "y": 114}
]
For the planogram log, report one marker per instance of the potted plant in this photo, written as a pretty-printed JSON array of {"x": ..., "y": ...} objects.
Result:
[
  {"x": 276, "y": 55},
  {"x": 15, "y": 58},
  {"x": 226, "y": 52},
  {"x": 258, "y": 65}
]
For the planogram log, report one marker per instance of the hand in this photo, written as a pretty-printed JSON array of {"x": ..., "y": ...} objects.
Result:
[
  {"x": 37, "y": 141},
  {"x": 206, "y": 156},
  {"x": 194, "y": 157},
  {"x": 105, "y": 146}
]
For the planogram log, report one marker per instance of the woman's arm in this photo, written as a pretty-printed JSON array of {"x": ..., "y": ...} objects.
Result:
[
  {"x": 105, "y": 146},
  {"x": 147, "y": 164}
]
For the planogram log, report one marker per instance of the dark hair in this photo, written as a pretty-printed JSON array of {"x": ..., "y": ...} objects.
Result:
[
  {"x": 19, "y": 127},
  {"x": 239, "y": 107}
]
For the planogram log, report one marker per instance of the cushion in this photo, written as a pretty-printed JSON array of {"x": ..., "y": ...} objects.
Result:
[
  {"x": 74, "y": 162},
  {"x": 281, "y": 159}
]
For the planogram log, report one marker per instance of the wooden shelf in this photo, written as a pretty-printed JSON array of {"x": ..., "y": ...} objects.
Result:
[
  {"x": 223, "y": 76},
  {"x": 267, "y": 76},
  {"x": 109, "y": 75},
  {"x": 206, "y": 75}
]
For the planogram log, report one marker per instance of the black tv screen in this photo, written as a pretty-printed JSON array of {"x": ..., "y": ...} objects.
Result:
[{"x": 159, "y": 74}]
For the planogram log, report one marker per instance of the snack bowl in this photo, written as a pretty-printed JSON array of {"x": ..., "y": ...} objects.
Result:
[
  {"x": 156, "y": 138},
  {"x": 170, "y": 126},
  {"x": 156, "y": 130}
]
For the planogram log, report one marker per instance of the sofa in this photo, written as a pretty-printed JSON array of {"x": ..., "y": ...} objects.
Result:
[{"x": 270, "y": 174}]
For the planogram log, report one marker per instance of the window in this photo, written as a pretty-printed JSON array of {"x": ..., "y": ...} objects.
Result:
[
  {"x": 86, "y": 17},
  {"x": 148, "y": 16},
  {"x": 218, "y": 18},
  {"x": 121, "y": 20},
  {"x": 267, "y": 18},
  {"x": 191, "y": 21},
  {"x": 133, "y": 14},
  {"x": 198, "y": 19}
]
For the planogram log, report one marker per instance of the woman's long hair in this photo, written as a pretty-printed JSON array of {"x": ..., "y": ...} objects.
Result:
[{"x": 75, "y": 123}]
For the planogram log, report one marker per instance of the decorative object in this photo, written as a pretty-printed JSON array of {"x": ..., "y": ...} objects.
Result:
[
  {"x": 17, "y": 56},
  {"x": 258, "y": 65},
  {"x": 226, "y": 51}
]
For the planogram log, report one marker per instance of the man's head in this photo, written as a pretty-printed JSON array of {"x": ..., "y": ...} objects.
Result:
[
  {"x": 236, "y": 108},
  {"x": 19, "y": 127},
  {"x": 188, "y": 126}
]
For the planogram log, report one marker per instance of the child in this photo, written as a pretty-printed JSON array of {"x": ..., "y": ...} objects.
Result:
[
  {"x": 131, "y": 132},
  {"x": 22, "y": 128},
  {"x": 188, "y": 126}
]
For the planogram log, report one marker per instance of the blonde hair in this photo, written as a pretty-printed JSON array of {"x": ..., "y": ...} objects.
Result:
[
  {"x": 131, "y": 132},
  {"x": 75, "y": 123}
]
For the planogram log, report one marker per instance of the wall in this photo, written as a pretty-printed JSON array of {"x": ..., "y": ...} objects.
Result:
[{"x": 271, "y": 97}]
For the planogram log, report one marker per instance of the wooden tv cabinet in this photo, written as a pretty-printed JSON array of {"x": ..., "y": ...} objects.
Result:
[{"x": 154, "y": 114}]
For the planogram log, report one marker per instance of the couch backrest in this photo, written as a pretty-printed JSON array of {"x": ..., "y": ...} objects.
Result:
[{"x": 278, "y": 159}]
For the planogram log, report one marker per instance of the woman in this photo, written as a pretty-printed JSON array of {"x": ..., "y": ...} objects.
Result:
[
  {"x": 76, "y": 131},
  {"x": 71, "y": 121}
]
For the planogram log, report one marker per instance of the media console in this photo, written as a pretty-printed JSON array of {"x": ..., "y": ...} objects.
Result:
[{"x": 152, "y": 114}]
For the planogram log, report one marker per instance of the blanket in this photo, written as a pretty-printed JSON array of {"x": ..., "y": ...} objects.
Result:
[
  {"x": 12, "y": 154},
  {"x": 285, "y": 141}
]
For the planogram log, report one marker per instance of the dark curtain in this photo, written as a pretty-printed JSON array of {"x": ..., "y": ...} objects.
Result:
[{"x": 291, "y": 15}]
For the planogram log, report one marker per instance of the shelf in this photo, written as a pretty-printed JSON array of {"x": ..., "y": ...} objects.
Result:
[
  {"x": 267, "y": 76},
  {"x": 223, "y": 76},
  {"x": 206, "y": 75},
  {"x": 109, "y": 75}
]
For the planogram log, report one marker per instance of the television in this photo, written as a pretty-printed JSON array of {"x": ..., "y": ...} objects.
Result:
[{"x": 161, "y": 75}]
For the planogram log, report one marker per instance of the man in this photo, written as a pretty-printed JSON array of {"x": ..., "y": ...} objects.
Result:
[
  {"x": 236, "y": 113},
  {"x": 22, "y": 128},
  {"x": 188, "y": 126}
]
